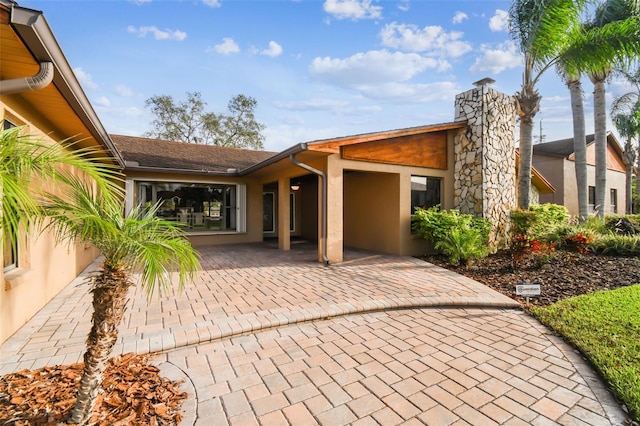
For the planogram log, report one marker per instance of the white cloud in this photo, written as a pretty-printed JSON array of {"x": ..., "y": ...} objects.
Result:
[
  {"x": 311, "y": 104},
  {"x": 212, "y": 3},
  {"x": 499, "y": 21},
  {"x": 140, "y": 1},
  {"x": 84, "y": 78},
  {"x": 122, "y": 90},
  {"x": 274, "y": 50},
  {"x": 431, "y": 39},
  {"x": 227, "y": 47},
  {"x": 370, "y": 68},
  {"x": 459, "y": 17},
  {"x": 412, "y": 93},
  {"x": 404, "y": 5},
  {"x": 103, "y": 102},
  {"x": 352, "y": 9},
  {"x": 157, "y": 33},
  {"x": 497, "y": 60}
]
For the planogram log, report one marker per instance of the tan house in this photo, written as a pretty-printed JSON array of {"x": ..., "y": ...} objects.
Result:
[
  {"x": 38, "y": 90},
  {"x": 556, "y": 161},
  {"x": 357, "y": 191}
]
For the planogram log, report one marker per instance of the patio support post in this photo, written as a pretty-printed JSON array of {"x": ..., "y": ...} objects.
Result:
[
  {"x": 284, "y": 221},
  {"x": 335, "y": 209}
]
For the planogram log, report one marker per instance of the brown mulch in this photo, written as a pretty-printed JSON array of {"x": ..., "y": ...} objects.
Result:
[
  {"x": 566, "y": 274},
  {"x": 133, "y": 393}
]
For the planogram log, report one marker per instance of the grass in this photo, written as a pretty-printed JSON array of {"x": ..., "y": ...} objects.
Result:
[{"x": 605, "y": 327}]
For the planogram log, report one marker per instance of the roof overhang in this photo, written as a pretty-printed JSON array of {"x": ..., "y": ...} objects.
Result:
[{"x": 27, "y": 40}]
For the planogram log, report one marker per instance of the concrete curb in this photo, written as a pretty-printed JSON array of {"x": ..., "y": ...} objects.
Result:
[{"x": 172, "y": 372}]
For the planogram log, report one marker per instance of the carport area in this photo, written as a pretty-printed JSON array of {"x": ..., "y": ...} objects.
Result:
[{"x": 266, "y": 336}]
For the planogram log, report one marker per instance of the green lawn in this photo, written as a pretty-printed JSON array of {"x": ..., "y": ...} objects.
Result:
[{"x": 605, "y": 326}]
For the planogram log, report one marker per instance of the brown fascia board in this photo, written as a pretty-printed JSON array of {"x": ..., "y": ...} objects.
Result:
[{"x": 36, "y": 34}]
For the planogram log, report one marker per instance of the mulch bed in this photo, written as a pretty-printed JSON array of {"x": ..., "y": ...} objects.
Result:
[
  {"x": 566, "y": 274},
  {"x": 133, "y": 393}
]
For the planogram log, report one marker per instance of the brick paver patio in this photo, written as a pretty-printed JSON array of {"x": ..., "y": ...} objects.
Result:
[{"x": 271, "y": 337}]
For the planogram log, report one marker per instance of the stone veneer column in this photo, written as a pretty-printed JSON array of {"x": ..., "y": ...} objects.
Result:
[{"x": 484, "y": 157}]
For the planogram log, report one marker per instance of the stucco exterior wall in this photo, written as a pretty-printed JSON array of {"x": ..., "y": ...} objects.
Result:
[
  {"x": 560, "y": 172},
  {"x": 44, "y": 268}
]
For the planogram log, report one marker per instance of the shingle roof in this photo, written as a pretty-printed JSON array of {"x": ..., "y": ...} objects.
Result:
[
  {"x": 562, "y": 147},
  {"x": 163, "y": 154}
]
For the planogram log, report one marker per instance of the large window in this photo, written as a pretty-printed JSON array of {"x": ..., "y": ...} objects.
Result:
[
  {"x": 198, "y": 207},
  {"x": 425, "y": 192}
]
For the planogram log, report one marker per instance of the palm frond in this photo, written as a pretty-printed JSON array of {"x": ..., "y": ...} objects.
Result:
[{"x": 139, "y": 241}]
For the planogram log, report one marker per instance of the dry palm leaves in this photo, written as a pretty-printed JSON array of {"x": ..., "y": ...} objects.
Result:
[{"x": 132, "y": 393}]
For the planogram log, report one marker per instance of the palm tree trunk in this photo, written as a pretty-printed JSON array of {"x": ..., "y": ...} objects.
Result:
[
  {"x": 579, "y": 147},
  {"x": 528, "y": 105},
  {"x": 600, "y": 130},
  {"x": 629, "y": 157},
  {"x": 109, "y": 303}
]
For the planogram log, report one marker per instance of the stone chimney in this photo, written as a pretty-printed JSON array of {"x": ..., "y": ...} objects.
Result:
[{"x": 484, "y": 156}]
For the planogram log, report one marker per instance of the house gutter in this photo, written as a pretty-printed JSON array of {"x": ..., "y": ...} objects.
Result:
[
  {"x": 33, "y": 29},
  {"x": 274, "y": 159},
  {"x": 323, "y": 197},
  {"x": 42, "y": 79}
]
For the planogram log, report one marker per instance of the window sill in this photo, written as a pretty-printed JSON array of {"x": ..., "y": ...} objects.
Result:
[
  {"x": 205, "y": 232},
  {"x": 15, "y": 277}
]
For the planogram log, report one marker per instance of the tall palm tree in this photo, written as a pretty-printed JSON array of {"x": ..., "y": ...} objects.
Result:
[
  {"x": 590, "y": 45},
  {"x": 629, "y": 104},
  {"x": 28, "y": 165},
  {"x": 540, "y": 29},
  {"x": 139, "y": 241},
  {"x": 617, "y": 21},
  {"x": 629, "y": 127}
]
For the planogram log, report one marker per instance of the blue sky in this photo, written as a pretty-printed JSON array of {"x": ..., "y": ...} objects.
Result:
[{"x": 318, "y": 68}]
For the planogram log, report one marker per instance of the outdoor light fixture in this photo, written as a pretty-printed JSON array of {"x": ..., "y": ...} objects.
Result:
[{"x": 295, "y": 186}]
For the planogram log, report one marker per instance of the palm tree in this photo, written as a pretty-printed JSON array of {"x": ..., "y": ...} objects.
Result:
[
  {"x": 540, "y": 29},
  {"x": 588, "y": 48},
  {"x": 579, "y": 140},
  {"x": 629, "y": 104},
  {"x": 618, "y": 22},
  {"x": 139, "y": 241},
  {"x": 29, "y": 164},
  {"x": 629, "y": 127}
]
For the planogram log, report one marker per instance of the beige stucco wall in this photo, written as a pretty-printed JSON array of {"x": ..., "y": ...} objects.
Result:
[
  {"x": 378, "y": 187},
  {"x": 44, "y": 268},
  {"x": 560, "y": 172}
]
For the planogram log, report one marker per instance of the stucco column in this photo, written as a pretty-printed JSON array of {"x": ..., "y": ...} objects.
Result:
[
  {"x": 284, "y": 221},
  {"x": 335, "y": 209},
  {"x": 484, "y": 158}
]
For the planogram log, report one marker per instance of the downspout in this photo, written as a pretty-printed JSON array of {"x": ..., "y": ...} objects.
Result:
[
  {"x": 323, "y": 197},
  {"x": 26, "y": 84}
]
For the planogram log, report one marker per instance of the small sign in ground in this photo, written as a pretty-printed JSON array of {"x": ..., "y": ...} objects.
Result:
[{"x": 528, "y": 289}]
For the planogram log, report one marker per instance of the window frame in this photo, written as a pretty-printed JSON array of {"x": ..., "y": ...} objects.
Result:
[
  {"x": 237, "y": 209},
  {"x": 13, "y": 246}
]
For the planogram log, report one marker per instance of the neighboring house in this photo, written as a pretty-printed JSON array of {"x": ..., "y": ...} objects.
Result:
[
  {"x": 556, "y": 161},
  {"x": 357, "y": 191},
  {"x": 38, "y": 90}
]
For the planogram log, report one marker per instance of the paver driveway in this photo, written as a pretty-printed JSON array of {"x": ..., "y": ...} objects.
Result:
[{"x": 271, "y": 337}]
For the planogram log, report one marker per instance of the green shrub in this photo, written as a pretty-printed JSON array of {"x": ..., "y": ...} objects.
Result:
[
  {"x": 616, "y": 245},
  {"x": 622, "y": 225},
  {"x": 550, "y": 215},
  {"x": 462, "y": 244},
  {"x": 461, "y": 237},
  {"x": 540, "y": 222}
]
